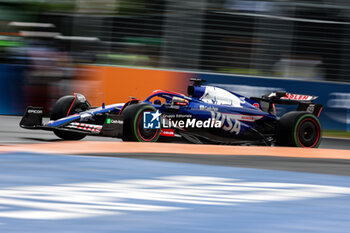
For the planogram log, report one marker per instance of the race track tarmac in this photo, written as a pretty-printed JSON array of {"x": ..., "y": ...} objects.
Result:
[
  {"x": 323, "y": 160},
  {"x": 105, "y": 185},
  {"x": 11, "y": 133}
]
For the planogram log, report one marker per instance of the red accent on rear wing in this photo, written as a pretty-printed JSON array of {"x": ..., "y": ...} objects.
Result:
[{"x": 299, "y": 97}]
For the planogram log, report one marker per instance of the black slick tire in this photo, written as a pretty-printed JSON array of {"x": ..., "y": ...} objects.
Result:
[
  {"x": 133, "y": 129},
  {"x": 299, "y": 129},
  {"x": 62, "y": 108}
]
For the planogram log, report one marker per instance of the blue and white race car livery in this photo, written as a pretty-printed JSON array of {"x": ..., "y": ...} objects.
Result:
[{"x": 208, "y": 114}]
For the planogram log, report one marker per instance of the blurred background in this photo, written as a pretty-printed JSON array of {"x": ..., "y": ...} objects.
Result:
[{"x": 113, "y": 49}]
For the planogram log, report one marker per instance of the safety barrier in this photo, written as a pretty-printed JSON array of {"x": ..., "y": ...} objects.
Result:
[
  {"x": 12, "y": 80},
  {"x": 117, "y": 84}
]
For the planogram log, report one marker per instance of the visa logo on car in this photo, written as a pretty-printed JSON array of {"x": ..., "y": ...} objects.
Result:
[{"x": 229, "y": 122}]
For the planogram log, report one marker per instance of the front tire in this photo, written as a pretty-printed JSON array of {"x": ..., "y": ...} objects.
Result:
[
  {"x": 133, "y": 129},
  {"x": 299, "y": 129},
  {"x": 62, "y": 108}
]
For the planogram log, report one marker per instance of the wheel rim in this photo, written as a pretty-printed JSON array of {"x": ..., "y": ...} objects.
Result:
[
  {"x": 308, "y": 133},
  {"x": 146, "y": 135}
]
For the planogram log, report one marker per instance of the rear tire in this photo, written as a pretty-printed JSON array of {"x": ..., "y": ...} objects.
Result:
[
  {"x": 133, "y": 129},
  {"x": 62, "y": 108},
  {"x": 299, "y": 129}
]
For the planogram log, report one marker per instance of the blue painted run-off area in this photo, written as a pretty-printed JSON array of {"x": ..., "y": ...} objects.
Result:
[{"x": 56, "y": 193}]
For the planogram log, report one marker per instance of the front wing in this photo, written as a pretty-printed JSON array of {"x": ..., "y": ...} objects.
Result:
[{"x": 112, "y": 126}]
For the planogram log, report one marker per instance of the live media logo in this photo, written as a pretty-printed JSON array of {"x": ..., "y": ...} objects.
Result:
[{"x": 151, "y": 120}]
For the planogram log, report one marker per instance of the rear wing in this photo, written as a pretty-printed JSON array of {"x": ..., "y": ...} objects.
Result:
[
  {"x": 282, "y": 95},
  {"x": 305, "y": 102}
]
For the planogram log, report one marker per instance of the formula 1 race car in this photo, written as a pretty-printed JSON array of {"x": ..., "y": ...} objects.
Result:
[{"x": 208, "y": 114}]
